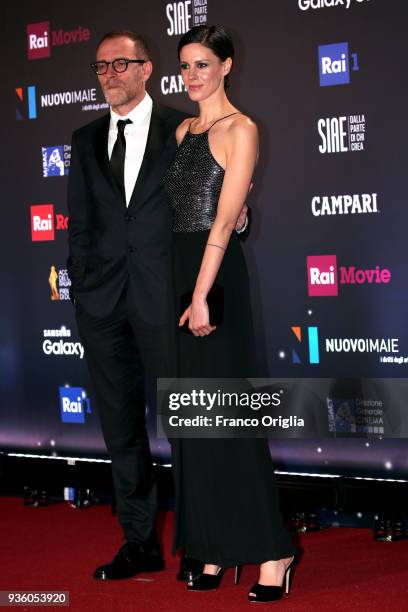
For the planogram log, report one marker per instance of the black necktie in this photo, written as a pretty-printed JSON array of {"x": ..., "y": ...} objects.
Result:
[{"x": 117, "y": 160}]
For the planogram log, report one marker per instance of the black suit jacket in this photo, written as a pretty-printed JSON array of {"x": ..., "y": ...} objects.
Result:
[{"x": 110, "y": 244}]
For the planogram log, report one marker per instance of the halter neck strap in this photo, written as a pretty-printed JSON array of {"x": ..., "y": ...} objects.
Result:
[{"x": 208, "y": 129}]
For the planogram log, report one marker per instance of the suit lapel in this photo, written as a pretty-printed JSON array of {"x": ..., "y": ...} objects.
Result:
[
  {"x": 156, "y": 139},
  {"x": 101, "y": 153}
]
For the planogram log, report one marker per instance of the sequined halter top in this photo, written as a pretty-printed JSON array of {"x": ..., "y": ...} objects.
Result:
[{"x": 193, "y": 183}]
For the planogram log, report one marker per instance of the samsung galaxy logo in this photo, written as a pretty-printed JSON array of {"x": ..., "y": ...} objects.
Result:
[{"x": 305, "y": 5}]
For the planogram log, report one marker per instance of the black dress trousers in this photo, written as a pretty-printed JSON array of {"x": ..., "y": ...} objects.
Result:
[{"x": 123, "y": 352}]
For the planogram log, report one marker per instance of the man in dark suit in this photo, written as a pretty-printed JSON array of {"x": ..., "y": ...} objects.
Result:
[{"x": 119, "y": 238}]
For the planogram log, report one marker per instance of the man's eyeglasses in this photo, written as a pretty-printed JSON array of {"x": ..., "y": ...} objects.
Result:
[{"x": 119, "y": 65}]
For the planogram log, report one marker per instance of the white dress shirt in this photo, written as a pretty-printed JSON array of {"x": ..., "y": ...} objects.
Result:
[{"x": 136, "y": 138}]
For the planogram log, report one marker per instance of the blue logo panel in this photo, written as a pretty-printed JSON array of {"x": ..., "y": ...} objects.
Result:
[
  {"x": 73, "y": 404},
  {"x": 53, "y": 161},
  {"x": 334, "y": 65}
]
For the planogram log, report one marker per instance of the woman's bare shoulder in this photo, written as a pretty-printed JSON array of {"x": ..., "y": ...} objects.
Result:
[
  {"x": 181, "y": 130},
  {"x": 242, "y": 124}
]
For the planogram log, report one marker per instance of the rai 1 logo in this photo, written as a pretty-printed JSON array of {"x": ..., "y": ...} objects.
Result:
[
  {"x": 74, "y": 404},
  {"x": 307, "y": 345},
  {"x": 59, "y": 283},
  {"x": 335, "y": 64},
  {"x": 182, "y": 16}
]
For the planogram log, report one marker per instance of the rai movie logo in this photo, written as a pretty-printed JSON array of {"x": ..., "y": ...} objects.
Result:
[
  {"x": 38, "y": 40},
  {"x": 56, "y": 160},
  {"x": 59, "y": 283}
]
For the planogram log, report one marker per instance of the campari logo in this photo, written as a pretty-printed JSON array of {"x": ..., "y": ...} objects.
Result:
[
  {"x": 182, "y": 16},
  {"x": 56, "y": 160},
  {"x": 335, "y": 65},
  {"x": 342, "y": 134},
  {"x": 44, "y": 222},
  {"x": 40, "y": 38},
  {"x": 74, "y": 404},
  {"x": 323, "y": 275},
  {"x": 172, "y": 84},
  {"x": 356, "y": 204}
]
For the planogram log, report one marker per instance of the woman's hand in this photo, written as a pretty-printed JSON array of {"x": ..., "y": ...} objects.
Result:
[{"x": 198, "y": 318}]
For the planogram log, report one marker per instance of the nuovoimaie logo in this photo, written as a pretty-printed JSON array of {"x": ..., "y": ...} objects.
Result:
[
  {"x": 74, "y": 403},
  {"x": 56, "y": 160},
  {"x": 26, "y": 103},
  {"x": 312, "y": 352},
  {"x": 335, "y": 65},
  {"x": 40, "y": 38}
]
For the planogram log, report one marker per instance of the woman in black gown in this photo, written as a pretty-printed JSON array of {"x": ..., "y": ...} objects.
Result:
[{"x": 227, "y": 508}]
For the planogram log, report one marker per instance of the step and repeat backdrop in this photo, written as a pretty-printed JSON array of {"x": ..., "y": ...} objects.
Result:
[{"x": 325, "y": 80}]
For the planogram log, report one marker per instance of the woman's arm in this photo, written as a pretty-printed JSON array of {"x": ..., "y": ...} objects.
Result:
[{"x": 241, "y": 152}]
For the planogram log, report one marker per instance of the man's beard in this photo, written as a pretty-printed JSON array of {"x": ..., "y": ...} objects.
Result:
[{"x": 116, "y": 96}]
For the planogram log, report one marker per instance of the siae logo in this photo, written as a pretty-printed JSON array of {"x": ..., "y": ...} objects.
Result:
[
  {"x": 335, "y": 65},
  {"x": 312, "y": 351},
  {"x": 74, "y": 403},
  {"x": 182, "y": 16},
  {"x": 40, "y": 38},
  {"x": 322, "y": 275},
  {"x": 342, "y": 134},
  {"x": 26, "y": 103},
  {"x": 44, "y": 222}
]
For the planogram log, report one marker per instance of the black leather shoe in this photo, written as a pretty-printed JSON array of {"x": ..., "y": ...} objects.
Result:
[
  {"x": 189, "y": 569},
  {"x": 131, "y": 559}
]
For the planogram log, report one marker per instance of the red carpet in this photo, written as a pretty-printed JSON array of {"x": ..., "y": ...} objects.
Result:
[{"x": 58, "y": 547}]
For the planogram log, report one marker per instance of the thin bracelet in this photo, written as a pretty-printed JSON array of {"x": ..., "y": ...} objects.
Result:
[{"x": 216, "y": 245}]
